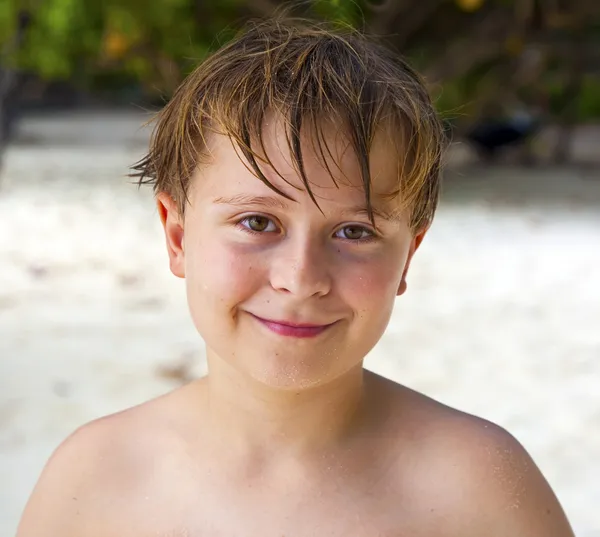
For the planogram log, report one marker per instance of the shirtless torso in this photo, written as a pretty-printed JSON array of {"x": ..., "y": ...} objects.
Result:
[{"x": 420, "y": 469}]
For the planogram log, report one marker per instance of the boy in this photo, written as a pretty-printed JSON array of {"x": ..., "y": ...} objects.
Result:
[{"x": 296, "y": 174}]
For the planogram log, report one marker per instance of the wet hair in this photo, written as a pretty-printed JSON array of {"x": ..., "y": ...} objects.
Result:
[{"x": 307, "y": 73}]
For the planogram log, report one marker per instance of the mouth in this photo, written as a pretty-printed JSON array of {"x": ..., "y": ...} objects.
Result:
[{"x": 293, "y": 329}]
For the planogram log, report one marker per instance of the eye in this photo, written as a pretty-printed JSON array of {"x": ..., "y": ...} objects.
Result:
[
  {"x": 258, "y": 224},
  {"x": 354, "y": 233}
]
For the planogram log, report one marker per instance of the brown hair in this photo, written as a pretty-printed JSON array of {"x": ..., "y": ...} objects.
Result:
[{"x": 305, "y": 71}]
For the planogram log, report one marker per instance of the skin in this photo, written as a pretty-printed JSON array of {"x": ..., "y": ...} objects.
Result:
[{"x": 287, "y": 435}]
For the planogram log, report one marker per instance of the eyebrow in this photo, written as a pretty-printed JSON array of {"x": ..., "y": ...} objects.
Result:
[
  {"x": 275, "y": 202},
  {"x": 363, "y": 211},
  {"x": 271, "y": 202}
]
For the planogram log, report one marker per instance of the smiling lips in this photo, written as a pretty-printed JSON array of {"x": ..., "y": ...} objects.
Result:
[{"x": 291, "y": 329}]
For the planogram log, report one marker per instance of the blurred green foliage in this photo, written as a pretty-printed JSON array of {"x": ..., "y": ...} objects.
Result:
[
  {"x": 82, "y": 39},
  {"x": 119, "y": 44},
  {"x": 154, "y": 43}
]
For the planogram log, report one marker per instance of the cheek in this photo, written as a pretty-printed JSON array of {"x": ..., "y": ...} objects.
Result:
[
  {"x": 218, "y": 274},
  {"x": 371, "y": 289},
  {"x": 374, "y": 283}
]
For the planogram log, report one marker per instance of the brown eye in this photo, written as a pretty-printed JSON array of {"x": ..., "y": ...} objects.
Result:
[
  {"x": 353, "y": 233},
  {"x": 258, "y": 223}
]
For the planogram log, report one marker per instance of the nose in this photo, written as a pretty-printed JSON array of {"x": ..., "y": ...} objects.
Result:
[{"x": 300, "y": 267}]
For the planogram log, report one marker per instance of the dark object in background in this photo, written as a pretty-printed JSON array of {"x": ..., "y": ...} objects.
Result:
[
  {"x": 11, "y": 82},
  {"x": 489, "y": 136}
]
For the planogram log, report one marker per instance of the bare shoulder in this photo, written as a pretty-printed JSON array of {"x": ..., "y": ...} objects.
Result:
[
  {"x": 98, "y": 469},
  {"x": 475, "y": 475},
  {"x": 501, "y": 491}
]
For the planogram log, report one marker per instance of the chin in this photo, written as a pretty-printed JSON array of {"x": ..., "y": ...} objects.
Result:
[
  {"x": 296, "y": 371},
  {"x": 287, "y": 375}
]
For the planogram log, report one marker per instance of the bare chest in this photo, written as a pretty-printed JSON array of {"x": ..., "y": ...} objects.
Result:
[{"x": 345, "y": 514}]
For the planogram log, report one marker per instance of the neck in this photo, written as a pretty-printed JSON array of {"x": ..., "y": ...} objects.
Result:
[{"x": 253, "y": 417}]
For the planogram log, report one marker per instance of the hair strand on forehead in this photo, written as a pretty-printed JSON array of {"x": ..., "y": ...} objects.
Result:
[{"x": 310, "y": 76}]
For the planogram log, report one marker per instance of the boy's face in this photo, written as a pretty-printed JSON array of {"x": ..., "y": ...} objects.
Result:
[{"x": 287, "y": 294}]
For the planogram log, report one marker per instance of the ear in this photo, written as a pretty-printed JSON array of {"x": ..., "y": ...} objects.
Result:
[
  {"x": 173, "y": 226},
  {"x": 414, "y": 245}
]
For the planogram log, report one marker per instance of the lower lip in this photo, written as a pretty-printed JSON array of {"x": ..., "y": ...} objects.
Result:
[{"x": 293, "y": 331}]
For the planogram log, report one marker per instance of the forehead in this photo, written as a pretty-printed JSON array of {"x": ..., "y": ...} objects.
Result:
[{"x": 331, "y": 165}]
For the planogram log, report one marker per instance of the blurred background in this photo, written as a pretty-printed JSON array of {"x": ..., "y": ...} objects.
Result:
[{"x": 502, "y": 316}]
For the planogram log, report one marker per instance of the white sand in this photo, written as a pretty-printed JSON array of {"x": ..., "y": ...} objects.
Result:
[{"x": 502, "y": 316}]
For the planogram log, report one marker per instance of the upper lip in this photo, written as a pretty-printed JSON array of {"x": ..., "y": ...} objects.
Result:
[{"x": 293, "y": 324}]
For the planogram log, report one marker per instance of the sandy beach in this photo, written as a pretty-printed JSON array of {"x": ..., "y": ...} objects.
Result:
[{"x": 501, "y": 318}]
